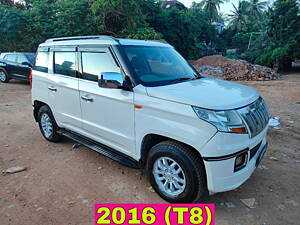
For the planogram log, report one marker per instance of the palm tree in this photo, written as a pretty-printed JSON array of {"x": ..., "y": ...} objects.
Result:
[
  {"x": 212, "y": 7},
  {"x": 239, "y": 15},
  {"x": 256, "y": 7},
  {"x": 222, "y": 17}
]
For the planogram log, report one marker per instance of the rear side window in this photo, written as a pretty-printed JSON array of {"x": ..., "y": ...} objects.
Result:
[
  {"x": 21, "y": 59},
  {"x": 42, "y": 62},
  {"x": 64, "y": 63},
  {"x": 11, "y": 57},
  {"x": 94, "y": 63}
]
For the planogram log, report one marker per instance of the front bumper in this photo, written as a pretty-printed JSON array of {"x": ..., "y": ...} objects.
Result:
[{"x": 220, "y": 169}]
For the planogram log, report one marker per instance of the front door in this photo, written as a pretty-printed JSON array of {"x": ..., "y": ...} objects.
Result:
[
  {"x": 107, "y": 114},
  {"x": 24, "y": 69},
  {"x": 11, "y": 64}
]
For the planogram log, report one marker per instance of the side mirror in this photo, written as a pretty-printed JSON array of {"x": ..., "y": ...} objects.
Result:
[
  {"x": 26, "y": 64},
  {"x": 111, "y": 80}
]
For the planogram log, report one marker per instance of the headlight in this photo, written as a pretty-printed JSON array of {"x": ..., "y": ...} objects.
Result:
[{"x": 225, "y": 121}]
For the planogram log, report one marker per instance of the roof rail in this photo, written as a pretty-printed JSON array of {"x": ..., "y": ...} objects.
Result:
[{"x": 103, "y": 37}]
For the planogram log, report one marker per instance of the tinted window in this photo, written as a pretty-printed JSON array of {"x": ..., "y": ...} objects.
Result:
[
  {"x": 21, "y": 58},
  {"x": 64, "y": 63},
  {"x": 30, "y": 57},
  {"x": 42, "y": 62},
  {"x": 93, "y": 64},
  {"x": 11, "y": 57}
]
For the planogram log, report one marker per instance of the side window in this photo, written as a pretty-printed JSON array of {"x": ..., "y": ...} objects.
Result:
[
  {"x": 42, "y": 62},
  {"x": 94, "y": 63},
  {"x": 21, "y": 58},
  {"x": 11, "y": 57},
  {"x": 64, "y": 63}
]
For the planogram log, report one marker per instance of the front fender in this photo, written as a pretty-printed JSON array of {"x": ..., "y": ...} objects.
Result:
[{"x": 172, "y": 120}]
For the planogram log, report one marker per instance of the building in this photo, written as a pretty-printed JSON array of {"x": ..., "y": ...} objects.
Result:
[{"x": 173, "y": 4}]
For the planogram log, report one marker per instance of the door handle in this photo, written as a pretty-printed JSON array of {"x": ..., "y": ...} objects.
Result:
[
  {"x": 86, "y": 98},
  {"x": 52, "y": 89}
]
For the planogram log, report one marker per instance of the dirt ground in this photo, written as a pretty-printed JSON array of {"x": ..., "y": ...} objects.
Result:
[{"x": 61, "y": 184}]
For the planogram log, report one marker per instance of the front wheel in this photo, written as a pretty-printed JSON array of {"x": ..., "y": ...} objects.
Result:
[
  {"x": 48, "y": 125},
  {"x": 176, "y": 172},
  {"x": 3, "y": 76}
]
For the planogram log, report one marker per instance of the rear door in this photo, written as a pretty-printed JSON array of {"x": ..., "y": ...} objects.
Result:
[
  {"x": 63, "y": 88},
  {"x": 107, "y": 114}
]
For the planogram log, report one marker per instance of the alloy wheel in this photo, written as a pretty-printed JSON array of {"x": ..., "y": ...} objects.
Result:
[{"x": 169, "y": 176}]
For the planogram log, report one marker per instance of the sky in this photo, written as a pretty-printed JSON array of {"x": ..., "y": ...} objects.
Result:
[{"x": 225, "y": 8}]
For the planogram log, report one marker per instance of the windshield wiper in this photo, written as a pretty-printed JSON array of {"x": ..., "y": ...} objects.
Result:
[{"x": 181, "y": 79}]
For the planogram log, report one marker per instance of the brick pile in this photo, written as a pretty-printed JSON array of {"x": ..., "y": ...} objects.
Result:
[{"x": 229, "y": 69}]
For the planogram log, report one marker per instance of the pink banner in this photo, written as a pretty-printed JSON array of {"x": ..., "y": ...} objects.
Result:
[{"x": 162, "y": 214}]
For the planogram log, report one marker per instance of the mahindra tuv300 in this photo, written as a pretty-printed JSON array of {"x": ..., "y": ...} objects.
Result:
[{"x": 141, "y": 104}]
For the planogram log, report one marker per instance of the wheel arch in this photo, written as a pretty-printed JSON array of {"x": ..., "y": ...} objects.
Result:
[
  {"x": 152, "y": 139},
  {"x": 36, "y": 107},
  {"x": 5, "y": 71},
  {"x": 2, "y": 68}
]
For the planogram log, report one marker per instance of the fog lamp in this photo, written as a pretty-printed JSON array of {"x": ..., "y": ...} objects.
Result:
[{"x": 240, "y": 161}]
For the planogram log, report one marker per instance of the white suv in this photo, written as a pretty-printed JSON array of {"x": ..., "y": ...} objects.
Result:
[{"x": 141, "y": 104}]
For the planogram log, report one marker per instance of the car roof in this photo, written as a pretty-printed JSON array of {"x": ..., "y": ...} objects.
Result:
[
  {"x": 100, "y": 40},
  {"x": 25, "y": 53},
  {"x": 2, "y": 54}
]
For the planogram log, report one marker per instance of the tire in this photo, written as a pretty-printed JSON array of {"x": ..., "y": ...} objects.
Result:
[
  {"x": 48, "y": 125},
  {"x": 3, "y": 76},
  {"x": 191, "y": 167}
]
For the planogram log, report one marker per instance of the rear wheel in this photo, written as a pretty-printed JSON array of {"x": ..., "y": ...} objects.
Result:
[
  {"x": 176, "y": 172},
  {"x": 3, "y": 76},
  {"x": 48, "y": 125}
]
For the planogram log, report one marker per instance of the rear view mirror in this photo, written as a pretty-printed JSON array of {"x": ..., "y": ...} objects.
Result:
[{"x": 111, "y": 80}]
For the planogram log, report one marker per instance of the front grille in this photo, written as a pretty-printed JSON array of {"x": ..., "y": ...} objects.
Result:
[{"x": 256, "y": 116}]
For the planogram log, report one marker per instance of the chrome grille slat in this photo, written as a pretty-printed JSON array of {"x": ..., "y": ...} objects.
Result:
[
  {"x": 263, "y": 113},
  {"x": 260, "y": 116},
  {"x": 257, "y": 120},
  {"x": 266, "y": 112},
  {"x": 254, "y": 128},
  {"x": 256, "y": 116}
]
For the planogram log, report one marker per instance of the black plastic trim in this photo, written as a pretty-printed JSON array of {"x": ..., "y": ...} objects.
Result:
[
  {"x": 261, "y": 154},
  {"x": 102, "y": 149},
  {"x": 254, "y": 150},
  {"x": 219, "y": 158}
]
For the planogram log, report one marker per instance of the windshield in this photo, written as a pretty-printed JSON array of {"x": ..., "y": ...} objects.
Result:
[{"x": 156, "y": 66}]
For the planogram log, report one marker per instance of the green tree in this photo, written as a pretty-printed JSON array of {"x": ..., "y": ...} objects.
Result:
[
  {"x": 39, "y": 25},
  {"x": 12, "y": 27},
  {"x": 56, "y": 18},
  {"x": 188, "y": 30},
  {"x": 212, "y": 8},
  {"x": 239, "y": 16},
  {"x": 281, "y": 42},
  {"x": 78, "y": 15},
  {"x": 256, "y": 8},
  {"x": 247, "y": 23},
  {"x": 122, "y": 17},
  {"x": 24, "y": 28}
]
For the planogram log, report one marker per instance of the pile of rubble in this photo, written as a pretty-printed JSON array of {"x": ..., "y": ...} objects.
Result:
[{"x": 229, "y": 69}]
